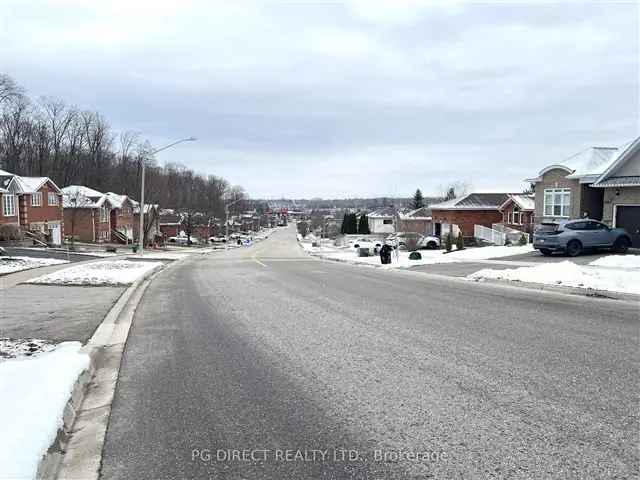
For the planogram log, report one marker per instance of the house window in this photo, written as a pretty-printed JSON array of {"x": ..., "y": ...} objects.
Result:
[
  {"x": 387, "y": 222},
  {"x": 36, "y": 199},
  {"x": 104, "y": 214},
  {"x": 9, "y": 205},
  {"x": 557, "y": 202},
  {"x": 53, "y": 199},
  {"x": 515, "y": 216}
]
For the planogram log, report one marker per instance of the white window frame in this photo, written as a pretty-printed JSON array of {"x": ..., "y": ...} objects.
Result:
[
  {"x": 36, "y": 199},
  {"x": 564, "y": 204},
  {"x": 9, "y": 205},
  {"x": 52, "y": 199}
]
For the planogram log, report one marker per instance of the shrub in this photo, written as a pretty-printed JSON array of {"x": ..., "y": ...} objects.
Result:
[
  {"x": 523, "y": 240},
  {"x": 448, "y": 244},
  {"x": 10, "y": 232},
  {"x": 415, "y": 256},
  {"x": 460, "y": 241}
]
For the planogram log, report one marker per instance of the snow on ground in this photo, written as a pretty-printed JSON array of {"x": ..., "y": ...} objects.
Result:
[
  {"x": 12, "y": 348},
  {"x": 429, "y": 257},
  {"x": 35, "y": 391},
  {"x": 618, "y": 261},
  {"x": 104, "y": 272},
  {"x": 569, "y": 274},
  {"x": 16, "y": 264}
]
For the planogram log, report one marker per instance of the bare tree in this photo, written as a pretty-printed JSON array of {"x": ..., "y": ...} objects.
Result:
[{"x": 9, "y": 89}]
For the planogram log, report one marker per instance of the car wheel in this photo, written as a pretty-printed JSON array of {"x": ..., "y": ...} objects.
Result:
[
  {"x": 574, "y": 248},
  {"x": 432, "y": 245},
  {"x": 621, "y": 245},
  {"x": 546, "y": 252}
]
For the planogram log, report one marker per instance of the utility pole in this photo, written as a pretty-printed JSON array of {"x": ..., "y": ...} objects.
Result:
[
  {"x": 226, "y": 221},
  {"x": 142, "y": 159}
]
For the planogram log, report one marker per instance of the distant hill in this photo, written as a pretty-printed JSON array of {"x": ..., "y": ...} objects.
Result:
[{"x": 344, "y": 203}]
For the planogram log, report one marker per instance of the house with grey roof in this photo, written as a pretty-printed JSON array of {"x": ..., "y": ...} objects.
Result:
[
  {"x": 620, "y": 184},
  {"x": 381, "y": 220},
  {"x": 518, "y": 212},
  {"x": 462, "y": 214},
  {"x": 602, "y": 183}
]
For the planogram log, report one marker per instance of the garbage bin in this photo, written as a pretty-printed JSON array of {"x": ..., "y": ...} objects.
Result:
[
  {"x": 363, "y": 251},
  {"x": 134, "y": 248}
]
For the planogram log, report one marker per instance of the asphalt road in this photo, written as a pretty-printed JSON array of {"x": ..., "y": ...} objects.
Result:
[{"x": 264, "y": 350}]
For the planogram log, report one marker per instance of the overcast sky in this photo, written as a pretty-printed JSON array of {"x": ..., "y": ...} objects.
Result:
[{"x": 348, "y": 98}]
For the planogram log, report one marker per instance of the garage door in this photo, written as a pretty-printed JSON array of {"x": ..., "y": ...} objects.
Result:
[{"x": 628, "y": 217}]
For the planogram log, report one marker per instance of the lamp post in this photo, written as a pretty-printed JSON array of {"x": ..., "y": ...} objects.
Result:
[
  {"x": 226, "y": 221},
  {"x": 153, "y": 152}
]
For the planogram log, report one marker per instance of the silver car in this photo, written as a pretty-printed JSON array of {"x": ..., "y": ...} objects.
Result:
[{"x": 574, "y": 236}]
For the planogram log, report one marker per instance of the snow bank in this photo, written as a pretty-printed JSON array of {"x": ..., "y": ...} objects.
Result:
[
  {"x": 568, "y": 274},
  {"x": 35, "y": 391},
  {"x": 16, "y": 264},
  {"x": 116, "y": 272},
  {"x": 429, "y": 257},
  {"x": 22, "y": 347},
  {"x": 618, "y": 261}
]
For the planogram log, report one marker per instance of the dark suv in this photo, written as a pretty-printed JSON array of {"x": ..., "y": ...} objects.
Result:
[{"x": 574, "y": 236}]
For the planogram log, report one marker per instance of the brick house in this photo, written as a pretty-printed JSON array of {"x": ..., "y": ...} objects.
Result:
[
  {"x": 518, "y": 212},
  {"x": 33, "y": 204},
  {"x": 121, "y": 217},
  {"x": 464, "y": 213},
  {"x": 170, "y": 223},
  {"x": 87, "y": 214}
]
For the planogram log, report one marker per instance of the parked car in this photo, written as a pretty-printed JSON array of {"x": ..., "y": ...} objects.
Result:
[
  {"x": 429, "y": 242},
  {"x": 180, "y": 240},
  {"x": 574, "y": 236},
  {"x": 215, "y": 239}
]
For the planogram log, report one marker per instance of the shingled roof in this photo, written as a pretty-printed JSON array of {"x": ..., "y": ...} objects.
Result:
[{"x": 473, "y": 201}]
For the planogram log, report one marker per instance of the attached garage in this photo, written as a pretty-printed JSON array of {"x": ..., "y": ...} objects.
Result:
[{"x": 628, "y": 217}]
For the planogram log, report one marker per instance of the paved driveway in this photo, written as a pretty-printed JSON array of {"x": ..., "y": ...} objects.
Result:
[{"x": 537, "y": 257}]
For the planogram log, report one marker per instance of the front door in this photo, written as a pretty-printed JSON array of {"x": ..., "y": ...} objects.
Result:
[{"x": 628, "y": 217}]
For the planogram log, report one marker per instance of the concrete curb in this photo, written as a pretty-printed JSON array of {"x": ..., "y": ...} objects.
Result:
[{"x": 77, "y": 449}]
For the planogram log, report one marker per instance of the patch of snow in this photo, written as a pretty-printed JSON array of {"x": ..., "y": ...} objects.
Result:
[
  {"x": 618, "y": 261},
  {"x": 22, "y": 347},
  {"x": 35, "y": 391},
  {"x": 17, "y": 264},
  {"x": 429, "y": 257},
  {"x": 568, "y": 274},
  {"x": 107, "y": 272}
]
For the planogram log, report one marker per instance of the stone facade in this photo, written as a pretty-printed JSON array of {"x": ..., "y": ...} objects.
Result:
[{"x": 556, "y": 178}]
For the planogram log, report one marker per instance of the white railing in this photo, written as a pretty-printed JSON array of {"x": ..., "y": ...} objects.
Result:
[
  {"x": 489, "y": 235},
  {"x": 512, "y": 234}
]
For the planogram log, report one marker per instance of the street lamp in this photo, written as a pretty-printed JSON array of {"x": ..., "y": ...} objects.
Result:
[
  {"x": 226, "y": 221},
  {"x": 153, "y": 152}
]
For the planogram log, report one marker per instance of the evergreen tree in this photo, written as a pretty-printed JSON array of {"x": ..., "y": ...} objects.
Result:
[
  {"x": 448, "y": 244},
  {"x": 363, "y": 225},
  {"x": 352, "y": 224},
  {"x": 343, "y": 227},
  {"x": 418, "y": 200},
  {"x": 460, "y": 241}
]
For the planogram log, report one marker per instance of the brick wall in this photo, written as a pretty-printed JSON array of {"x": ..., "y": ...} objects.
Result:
[
  {"x": 79, "y": 223},
  {"x": 467, "y": 219}
]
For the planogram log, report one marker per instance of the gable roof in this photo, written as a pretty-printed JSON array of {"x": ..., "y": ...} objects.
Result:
[
  {"x": 523, "y": 201},
  {"x": 422, "y": 213},
  {"x": 117, "y": 200},
  {"x": 586, "y": 165},
  {"x": 385, "y": 212},
  {"x": 608, "y": 177},
  {"x": 33, "y": 184},
  {"x": 473, "y": 201},
  {"x": 79, "y": 196}
]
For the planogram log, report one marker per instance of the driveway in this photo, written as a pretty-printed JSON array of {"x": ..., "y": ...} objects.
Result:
[{"x": 537, "y": 257}]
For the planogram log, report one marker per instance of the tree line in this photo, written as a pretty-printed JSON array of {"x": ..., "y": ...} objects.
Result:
[{"x": 50, "y": 138}]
